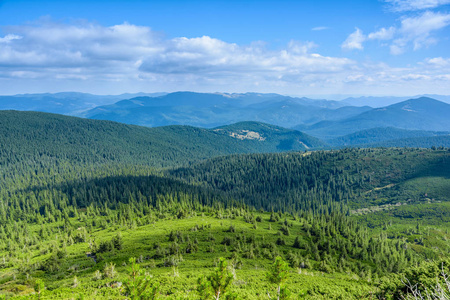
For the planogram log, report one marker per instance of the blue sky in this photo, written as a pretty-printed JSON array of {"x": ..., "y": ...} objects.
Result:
[{"x": 314, "y": 48}]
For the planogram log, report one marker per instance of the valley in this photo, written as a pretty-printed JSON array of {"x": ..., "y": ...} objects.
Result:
[{"x": 80, "y": 197}]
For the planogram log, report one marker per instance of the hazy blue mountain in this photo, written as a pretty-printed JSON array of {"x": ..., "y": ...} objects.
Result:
[
  {"x": 414, "y": 114},
  {"x": 443, "y": 98},
  {"x": 376, "y": 102},
  {"x": 381, "y": 134},
  {"x": 69, "y": 103},
  {"x": 212, "y": 110}
]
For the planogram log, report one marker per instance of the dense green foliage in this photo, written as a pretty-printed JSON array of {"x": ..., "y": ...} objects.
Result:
[
  {"x": 322, "y": 180},
  {"x": 79, "y": 198},
  {"x": 45, "y": 139}
]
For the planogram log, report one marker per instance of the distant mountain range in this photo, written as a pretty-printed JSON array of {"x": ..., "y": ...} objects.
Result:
[
  {"x": 246, "y": 117},
  {"x": 212, "y": 110},
  {"x": 68, "y": 103},
  {"x": 414, "y": 114},
  {"x": 386, "y": 101}
]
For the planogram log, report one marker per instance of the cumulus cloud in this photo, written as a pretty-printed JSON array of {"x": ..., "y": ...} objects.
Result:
[
  {"x": 118, "y": 57},
  {"x": 382, "y": 34},
  {"x": 437, "y": 63},
  {"x": 213, "y": 57},
  {"x": 354, "y": 41},
  {"x": 417, "y": 31},
  {"x": 61, "y": 45},
  {"x": 412, "y": 5},
  {"x": 89, "y": 50}
]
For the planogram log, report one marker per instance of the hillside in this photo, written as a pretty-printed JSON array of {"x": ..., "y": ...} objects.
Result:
[
  {"x": 414, "y": 114},
  {"x": 40, "y": 135},
  {"x": 80, "y": 198},
  {"x": 270, "y": 138},
  {"x": 72, "y": 232},
  {"x": 212, "y": 110},
  {"x": 302, "y": 181}
]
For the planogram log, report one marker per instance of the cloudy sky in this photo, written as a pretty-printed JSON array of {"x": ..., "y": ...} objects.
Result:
[{"x": 310, "y": 47}]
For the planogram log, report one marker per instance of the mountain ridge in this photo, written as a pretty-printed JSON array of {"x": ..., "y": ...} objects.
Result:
[
  {"x": 414, "y": 114},
  {"x": 212, "y": 110}
]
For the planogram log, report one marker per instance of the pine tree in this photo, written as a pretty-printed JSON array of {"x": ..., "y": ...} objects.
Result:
[
  {"x": 39, "y": 287},
  {"x": 217, "y": 283},
  {"x": 140, "y": 286},
  {"x": 278, "y": 275}
]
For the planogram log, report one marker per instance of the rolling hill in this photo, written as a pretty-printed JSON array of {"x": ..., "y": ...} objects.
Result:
[{"x": 270, "y": 138}]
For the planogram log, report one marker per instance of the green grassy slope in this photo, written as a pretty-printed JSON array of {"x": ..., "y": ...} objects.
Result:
[{"x": 249, "y": 249}]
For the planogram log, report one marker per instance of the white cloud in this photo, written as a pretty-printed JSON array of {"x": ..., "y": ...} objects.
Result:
[
  {"x": 126, "y": 57},
  {"x": 412, "y": 5},
  {"x": 382, "y": 34},
  {"x": 128, "y": 51},
  {"x": 9, "y": 37},
  {"x": 354, "y": 41},
  {"x": 418, "y": 32},
  {"x": 320, "y": 28},
  {"x": 212, "y": 57},
  {"x": 418, "y": 29},
  {"x": 438, "y": 61}
]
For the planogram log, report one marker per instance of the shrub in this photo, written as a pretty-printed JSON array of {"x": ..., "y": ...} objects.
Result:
[{"x": 110, "y": 270}]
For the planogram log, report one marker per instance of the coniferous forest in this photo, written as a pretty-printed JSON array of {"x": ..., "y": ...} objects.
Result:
[{"x": 100, "y": 210}]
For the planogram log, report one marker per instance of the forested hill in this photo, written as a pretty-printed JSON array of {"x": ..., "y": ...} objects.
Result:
[
  {"x": 270, "y": 138},
  {"x": 40, "y": 137},
  {"x": 315, "y": 180}
]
